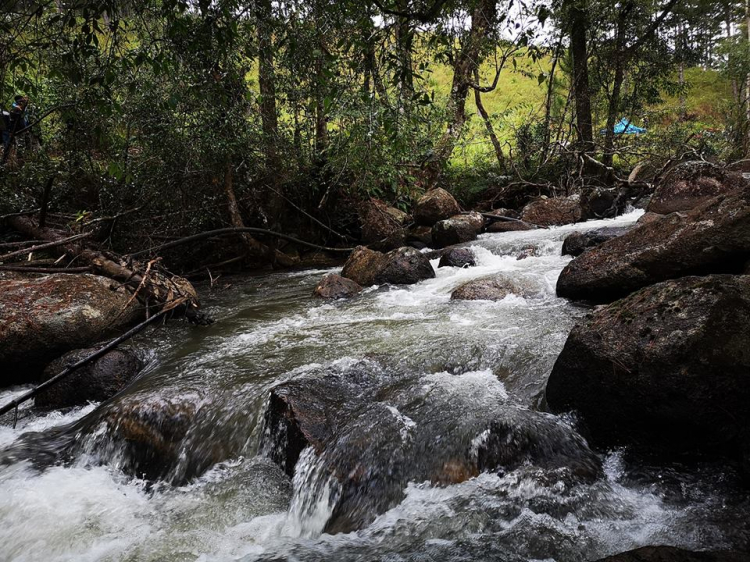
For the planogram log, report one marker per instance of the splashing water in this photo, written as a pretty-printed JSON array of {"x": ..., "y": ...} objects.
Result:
[{"x": 225, "y": 500}]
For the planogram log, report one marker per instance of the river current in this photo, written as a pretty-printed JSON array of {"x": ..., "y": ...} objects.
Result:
[{"x": 471, "y": 355}]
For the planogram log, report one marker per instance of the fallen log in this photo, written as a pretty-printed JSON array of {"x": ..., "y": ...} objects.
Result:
[
  {"x": 156, "y": 290},
  {"x": 501, "y": 218}
]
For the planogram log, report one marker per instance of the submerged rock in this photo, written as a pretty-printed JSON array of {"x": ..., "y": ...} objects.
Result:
[
  {"x": 667, "y": 368},
  {"x": 458, "y": 257},
  {"x": 575, "y": 244},
  {"x": 672, "y": 554},
  {"x": 42, "y": 318},
  {"x": 554, "y": 211},
  {"x": 712, "y": 238},
  {"x": 493, "y": 288},
  {"x": 435, "y": 205},
  {"x": 96, "y": 382},
  {"x": 334, "y": 286},
  {"x": 362, "y": 435},
  {"x": 691, "y": 184},
  {"x": 403, "y": 266}
]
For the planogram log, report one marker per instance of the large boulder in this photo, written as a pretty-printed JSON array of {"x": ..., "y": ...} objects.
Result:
[
  {"x": 553, "y": 211},
  {"x": 419, "y": 237},
  {"x": 576, "y": 243},
  {"x": 672, "y": 554},
  {"x": 457, "y": 230},
  {"x": 712, "y": 238},
  {"x": 42, "y": 318},
  {"x": 334, "y": 286},
  {"x": 435, "y": 205},
  {"x": 406, "y": 266},
  {"x": 493, "y": 288},
  {"x": 666, "y": 368},
  {"x": 364, "y": 266},
  {"x": 94, "y": 382},
  {"x": 458, "y": 257},
  {"x": 401, "y": 266},
  {"x": 363, "y": 434},
  {"x": 383, "y": 227},
  {"x": 601, "y": 202},
  {"x": 690, "y": 184}
]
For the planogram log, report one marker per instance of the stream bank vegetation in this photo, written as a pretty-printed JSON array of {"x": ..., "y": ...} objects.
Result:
[{"x": 151, "y": 122}]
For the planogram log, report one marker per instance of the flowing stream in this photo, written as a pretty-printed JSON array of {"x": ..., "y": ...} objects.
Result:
[{"x": 451, "y": 363}]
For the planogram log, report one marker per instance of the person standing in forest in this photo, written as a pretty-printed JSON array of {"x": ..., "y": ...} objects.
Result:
[{"x": 16, "y": 120}]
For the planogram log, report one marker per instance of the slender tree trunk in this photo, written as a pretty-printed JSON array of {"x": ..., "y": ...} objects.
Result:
[
  {"x": 548, "y": 102},
  {"x": 269, "y": 118},
  {"x": 747, "y": 86},
  {"x": 619, "y": 61},
  {"x": 467, "y": 62},
  {"x": 581, "y": 91},
  {"x": 321, "y": 119},
  {"x": 255, "y": 248},
  {"x": 488, "y": 123},
  {"x": 404, "y": 44}
]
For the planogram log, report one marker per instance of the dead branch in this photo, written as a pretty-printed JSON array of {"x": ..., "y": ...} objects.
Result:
[
  {"x": 236, "y": 230},
  {"x": 46, "y": 246},
  {"x": 13, "y": 404}
]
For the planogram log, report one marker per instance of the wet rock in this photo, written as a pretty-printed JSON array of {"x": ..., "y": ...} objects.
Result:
[
  {"x": 530, "y": 252},
  {"x": 555, "y": 211},
  {"x": 666, "y": 368},
  {"x": 712, "y": 238},
  {"x": 690, "y": 184},
  {"x": 435, "y": 205},
  {"x": 383, "y": 227},
  {"x": 96, "y": 382},
  {"x": 458, "y": 257},
  {"x": 601, "y": 202},
  {"x": 401, "y": 266},
  {"x": 334, "y": 286},
  {"x": 489, "y": 288},
  {"x": 508, "y": 226},
  {"x": 419, "y": 237},
  {"x": 575, "y": 244},
  {"x": 503, "y": 212},
  {"x": 406, "y": 266},
  {"x": 361, "y": 435},
  {"x": 457, "y": 230},
  {"x": 516, "y": 195},
  {"x": 672, "y": 554},
  {"x": 648, "y": 217},
  {"x": 148, "y": 435},
  {"x": 42, "y": 318},
  {"x": 364, "y": 266}
]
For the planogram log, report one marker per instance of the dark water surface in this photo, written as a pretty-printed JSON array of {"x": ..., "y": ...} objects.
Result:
[{"x": 457, "y": 360}]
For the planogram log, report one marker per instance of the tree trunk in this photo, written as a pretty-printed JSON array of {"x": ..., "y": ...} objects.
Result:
[
  {"x": 488, "y": 123},
  {"x": 548, "y": 103},
  {"x": 467, "y": 62},
  {"x": 267, "y": 86},
  {"x": 321, "y": 120},
  {"x": 404, "y": 43},
  {"x": 579, "y": 50},
  {"x": 255, "y": 248}
]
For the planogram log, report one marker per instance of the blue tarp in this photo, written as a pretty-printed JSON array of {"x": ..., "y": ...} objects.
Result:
[{"x": 625, "y": 127}]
